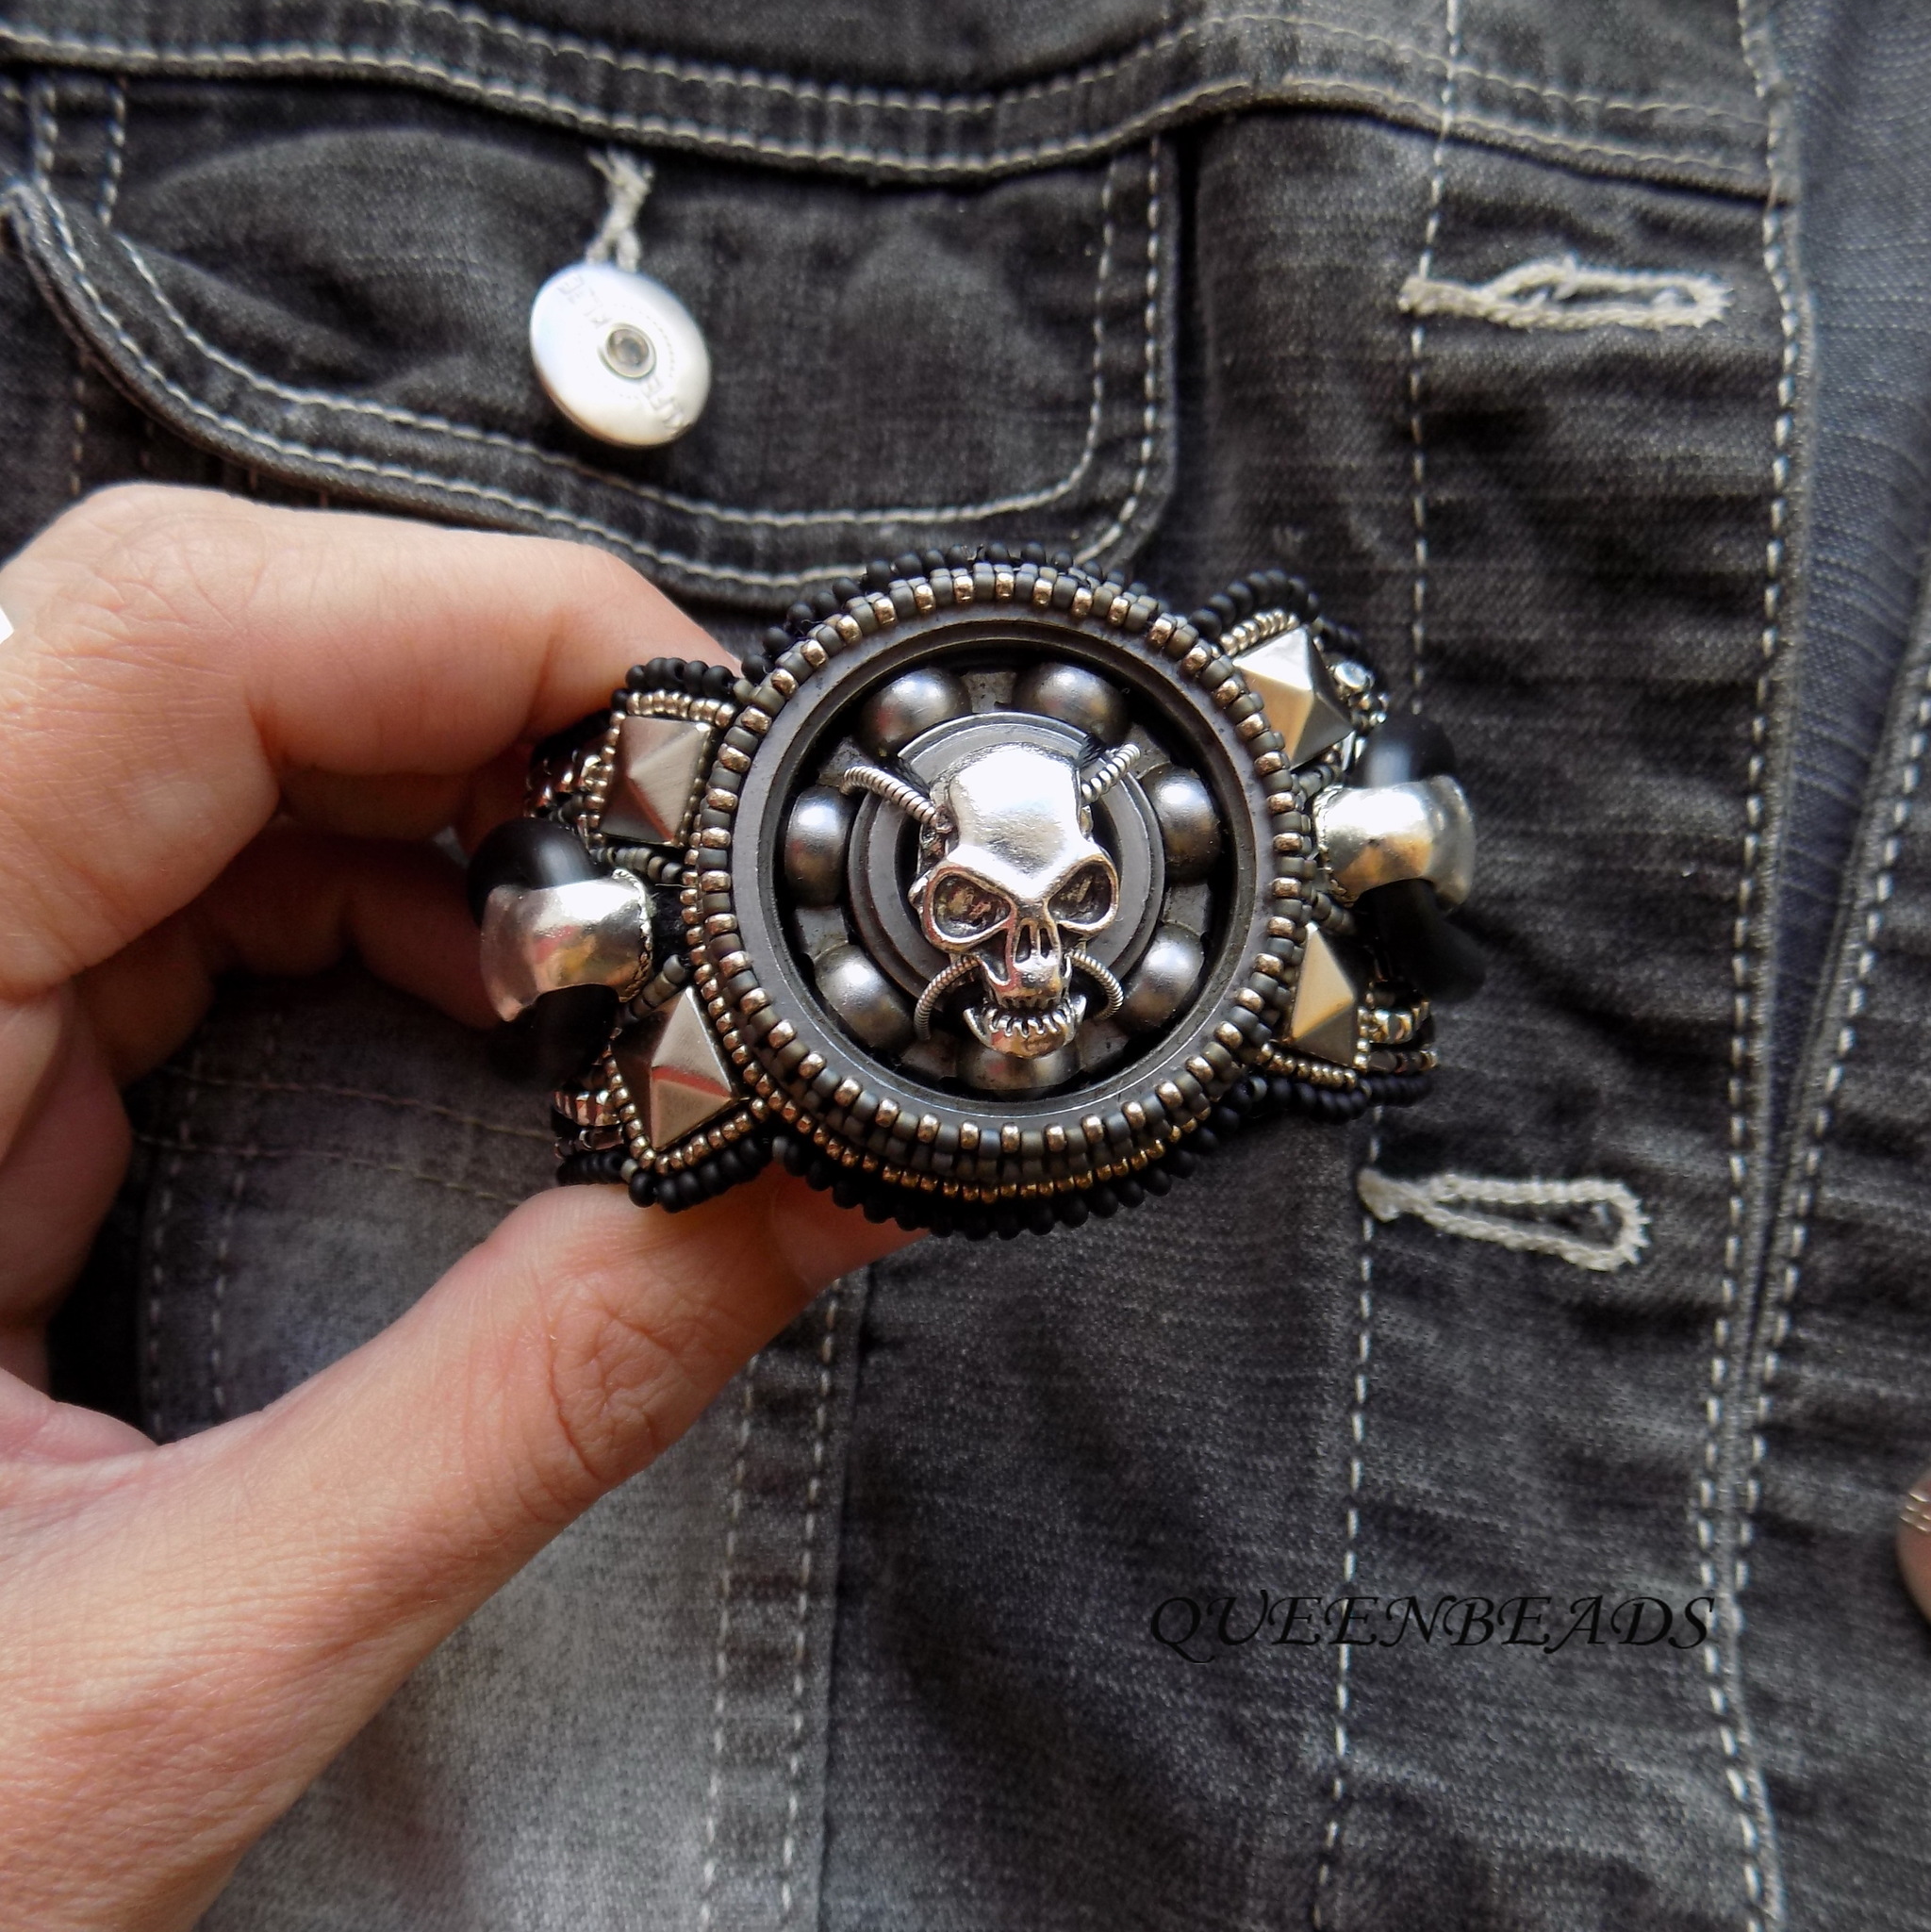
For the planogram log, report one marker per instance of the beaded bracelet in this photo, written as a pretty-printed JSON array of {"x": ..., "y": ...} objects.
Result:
[{"x": 989, "y": 893}]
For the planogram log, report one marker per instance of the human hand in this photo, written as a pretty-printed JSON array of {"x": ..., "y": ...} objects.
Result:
[{"x": 225, "y": 732}]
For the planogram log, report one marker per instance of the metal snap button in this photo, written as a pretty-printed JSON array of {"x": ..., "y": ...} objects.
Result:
[{"x": 620, "y": 354}]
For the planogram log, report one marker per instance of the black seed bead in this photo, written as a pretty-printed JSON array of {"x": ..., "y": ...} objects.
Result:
[
  {"x": 1116, "y": 577},
  {"x": 1283, "y": 1091},
  {"x": 1042, "y": 1219},
  {"x": 979, "y": 1229},
  {"x": 1103, "y": 1201},
  {"x": 1138, "y": 589},
  {"x": 932, "y": 560},
  {"x": 910, "y": 1219},
  {"x": 1130, "y": 1191},
  {"x": 793, "y": 1153},
  {"x": 1207, "y": 621},
  {"x": 1062, "y": 560},
  {"x": 878, "y": 573},
  {"x": 1223, "y": 605},
  {"x": 1072, "y": 1210},
  {"x": 643, "y": 1188},
  {"x": 1240, "y": 593},
  {"x": 997, "y": 554},
  {"x": 958, "y": 556},
  {"x": 1157, "y": 1181},
  {"x": 908, "y": 563},
  {"x": 718, "y": 681},
  {"x": 1181, "y": 1162},
  {"x": 1032, "y": 554},
  {"x": 877, "y": 1210},
  {"x": 844, "y": 589},
  {"x": 638, "y": 677},
  {"x": 1203, "y": 1141},
  {"x": 755, "y": 667},
  {"x": 755, "y": 1155},
  {"x": 1224, "y": 1119},
  {"x": 847, "y": 1190},
  {"x": 1305, "y": 600},
  {"x": 800, "y": 616},
  {"x": 823, "y": 603}
]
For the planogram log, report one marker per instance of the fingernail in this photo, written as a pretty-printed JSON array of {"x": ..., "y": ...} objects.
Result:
[{"x": 1914, "y": 1512}]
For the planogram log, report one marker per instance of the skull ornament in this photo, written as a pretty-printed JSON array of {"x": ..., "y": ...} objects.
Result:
[{"x": 1013, "y": 880}]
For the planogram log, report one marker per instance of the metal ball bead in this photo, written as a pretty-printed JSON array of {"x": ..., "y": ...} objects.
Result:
[
  {"x": 1004, "y": 1073},
  {"x": 814, "y": 840},
  {"x": 897, "y": 714},
  {"x": 852, "y": 984},
  {"x": 1168, "y": 971},
  {"x": 1079, "y": 696},
  {"x": 1189, "y": 822}
]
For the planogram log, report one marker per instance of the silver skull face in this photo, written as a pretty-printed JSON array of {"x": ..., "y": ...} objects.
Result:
[{"x": 1013, "y": 882}]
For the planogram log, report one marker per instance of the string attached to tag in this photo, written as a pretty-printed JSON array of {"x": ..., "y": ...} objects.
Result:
[{"x": 615, "y": 350}]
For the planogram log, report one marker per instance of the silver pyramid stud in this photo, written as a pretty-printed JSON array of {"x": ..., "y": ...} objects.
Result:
[
  {"x": 689, "y": 1082},
  {"x": 1327, "y": 1000},
  {"x": 1290, "y": 677},
  {"x": 659, "y": 763}
]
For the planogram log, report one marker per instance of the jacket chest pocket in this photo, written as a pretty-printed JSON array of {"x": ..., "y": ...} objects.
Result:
[{"x": 332, "y": 287}]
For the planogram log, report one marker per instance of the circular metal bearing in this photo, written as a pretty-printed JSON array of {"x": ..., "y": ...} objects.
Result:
[{"x": 871, "y": 1108}]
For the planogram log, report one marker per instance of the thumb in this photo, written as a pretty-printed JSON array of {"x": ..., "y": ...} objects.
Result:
[{"x": 255, "y": 1594}]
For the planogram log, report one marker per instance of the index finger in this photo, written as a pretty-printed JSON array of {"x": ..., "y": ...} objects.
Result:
[{"x": 176, "y": 652}]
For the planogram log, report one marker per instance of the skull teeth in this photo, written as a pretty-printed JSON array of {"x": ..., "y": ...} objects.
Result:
[{"x": 1026, "y": 1035}]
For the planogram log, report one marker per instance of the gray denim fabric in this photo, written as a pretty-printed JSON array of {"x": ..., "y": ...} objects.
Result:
[{"x": 871, "y": 1648}]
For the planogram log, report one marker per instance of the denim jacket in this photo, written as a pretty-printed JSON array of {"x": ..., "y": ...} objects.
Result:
[{"x": 1576, "y": 352}]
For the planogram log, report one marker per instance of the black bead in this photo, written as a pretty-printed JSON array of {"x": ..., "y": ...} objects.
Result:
[
  {"x": 1033, "y": 553},
  {"x": 1116, "y": 577},
  {"x": 1103, "y": 1201},
  {"x": 844, "y": 589},
  {"x": 1203, "y": 1140},
  {"x": 1223, "y": 607},
  {"x": 755, "y": 668},
  {"x": 1419, "y": 945},
  {"x": 823, "y": 603},
  {"x": 823, "y": 1173},
  {"x": 526, "y": 852},
  {"x": 800, "y": 616},
  {"x": 643, "y": 1188},
  {"x": 1158, "y": 1181},
  {"x": 1207, "y": 621},
  {"x": 908, "y": 563},
  {"x": 997, "y": 554},
  {"x": 1224, "y": 1120},
  {"x": 1305, "y": 600},
  {"x": 847, "y": 1190},
  {"x": 1062, "y": 560},
  {"x": 1138, "y": 589},
  {"x": 1182, "y": 1162},
  {"x": 774, "y": 640},
  {"x": 933, "y": 560},
  {"x": 1130, "y": 1191},
  {"x": 1041, "y": 1220},
  {"x": 958, "y": 556},
  {"x": 1283, "y": 1091},
  {"x": 1403, "y": 750},
  {"x": 1240, "y": 595},
  {"x": 879, "y": 574}
]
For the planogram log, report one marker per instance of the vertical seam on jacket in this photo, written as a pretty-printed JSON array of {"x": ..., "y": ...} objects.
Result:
[
  {"x": 807, "y": 1542},
  {"x": 231, "y": 1212},
  {"x": 1743, "y": 1772},
  {"x": 1350, "y": 1557},
  {"x": 117, "y": 155},
  {"x": 1149, "y": 414},
  {"x": 733, "y": 1511},
  {"x": 1417, "y": 337},
  {"x": 157, "y": 1253}
]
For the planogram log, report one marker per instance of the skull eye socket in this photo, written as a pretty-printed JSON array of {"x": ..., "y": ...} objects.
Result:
[
  {"x": 962, "y": 910},
  {"x": 1085, "y": 903}
]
